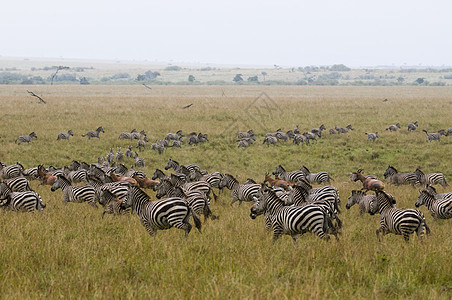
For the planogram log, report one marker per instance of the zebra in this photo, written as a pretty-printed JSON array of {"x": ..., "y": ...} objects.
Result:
[
  {"x": 364, "y": 201},
  {"x": 394, "y": 127},
  {"x": 139, "y": 135},
  {"x": 174, "y": 136},
  {"x": 293, "y": 176},
  {"x": 291, "y": 220},
  {"x": 111, "y": 196},
  {"x": 159, "y": 174},
  {"x": 161, "y": 214},
  {"x": 321, "y": 193},
  {"x": 333, "y": 131},
  {"x": 31, "y": 173},
  {"x": 243, "y": 135},
  {"x": 110, "y": 156},
  {"x": 438, "y": 195},
  {"x": 310, "y": 136},
  {"x": 435, "y": 136},
  {"x": 95, "y": 133},
  {"x": 77, "y": 194},
  {"x": 26, "y": 138},
  {"x": 176, "y": 166},
  {"x": 448, "y": 131},
  {"x": 439, "y": 208},
  {"x": 270, "y": 140},
  {"x": 17, "y": 184},
  {"x": 239, "y": 192},
  {"x": 12, "y": 171},
  {"x": 141, "y": 144},
  {"x": 119, "y": 154},
  {"x": 400, "y": 178},
  {"x": 343, "y": 129},
  {"x": 244, "y": 143},
  {"x": 165, "y": 186},
  {"x": 320, "y": 177},
  {"x": 125, "y": 136},
  {"x": 372, "y": 136},
  {"x": 412, "y": 126},
  {"x": 281, "y": 135},
  {"x": 318, "y": 131},
  {"x": 64, "y": 135},
  {"x": 299, "y": 138},
  {"x": 213, "y": 178},
  {"x": 139, "y": 161},
  {"x": 20, "y": 201},
  {"x": 433, "y": 178},
  {"x": 77, "y": 176},
  {"x": 129, "y": 152},
  {"x": 403, "y": 221}
]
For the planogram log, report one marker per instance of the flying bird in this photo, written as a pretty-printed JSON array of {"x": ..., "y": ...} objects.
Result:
[{"x": 187, "y": 106}]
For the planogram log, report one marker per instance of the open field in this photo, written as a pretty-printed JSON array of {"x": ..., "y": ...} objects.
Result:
[{"x": 71, "y": 252}]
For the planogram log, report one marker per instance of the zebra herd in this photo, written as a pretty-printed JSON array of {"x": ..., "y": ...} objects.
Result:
[{"x": 186, "y": 193}]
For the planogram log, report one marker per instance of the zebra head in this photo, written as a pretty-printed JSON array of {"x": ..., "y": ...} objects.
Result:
[
  {"x": 390, "y": 171},
  {"x": 354, "y": 198},
  {"x": 279, "y": 169},
  {"x": 260, "y": 205},
  {"x": 163, "y": 188},
  {"x": 424, "y": 195}
]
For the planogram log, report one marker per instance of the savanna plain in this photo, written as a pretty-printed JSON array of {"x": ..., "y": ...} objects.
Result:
[{"x": 70, "y": 251}]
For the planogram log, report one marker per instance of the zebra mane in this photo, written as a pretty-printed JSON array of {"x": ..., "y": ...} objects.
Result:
[
  {"x": 305, "y": 170},
  {"x": 174, "y": 161},
  {"x": 391, "y": 167}
]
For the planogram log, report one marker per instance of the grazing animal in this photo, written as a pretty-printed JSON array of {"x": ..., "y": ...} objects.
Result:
[
  {"x": 45, "y": 177},
  {"x": 293, "y": 176},
  {"x": 439, "y": 208},
  {"x": 277, "y": 182},
  {"x": 372, "y": 136},
  {"x": 397, "y": 178},
  {"x": 12, "y": 171},
  {"x": 20, "y": 201},
  {"x": 433, "y": 178},
  {"x": 394, "y": 127},
  {"x": 64, "y": 135},
  {"x": 369, "y": 183},
  {"x": 364, "y": 201},
  {"x": 398, "y": 221},
  {"x": 243, "y": 135},
  {"x": 291, "y": 220},
  {"x": 239, "y": 192},
  {"x": 76, "y": 194},
  {"x": 270, "y": 140},
  {"x": 412, "y": 126},
  {"x": 95, "y": 133},
  {"x": 161, "y": 214},
  {"x": 435, "y": 136},
  {"x": 26, "y": 138},
  {"x": 319, "y": 178}
]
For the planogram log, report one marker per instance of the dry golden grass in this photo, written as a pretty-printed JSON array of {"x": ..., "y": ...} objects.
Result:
[{"x": 70, "y": 252}]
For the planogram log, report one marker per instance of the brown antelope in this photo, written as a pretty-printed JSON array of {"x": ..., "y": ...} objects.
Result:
[
  {"x": 115, "y": 177},
  {"x": 278, "y": 182},
  {"x": 368, "y": 183},
  {"x": 145, "y": 183},
  {"x": 46, "y": 178}
]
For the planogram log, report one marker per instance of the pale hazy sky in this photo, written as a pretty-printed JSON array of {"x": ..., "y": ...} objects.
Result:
[{"x": 286, "y": 33}]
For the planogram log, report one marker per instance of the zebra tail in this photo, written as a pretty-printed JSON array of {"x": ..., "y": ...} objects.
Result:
[{"x": 196, "y": 219}]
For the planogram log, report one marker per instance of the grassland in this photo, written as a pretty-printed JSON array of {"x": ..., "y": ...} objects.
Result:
[{"x": 71, "y": 252}]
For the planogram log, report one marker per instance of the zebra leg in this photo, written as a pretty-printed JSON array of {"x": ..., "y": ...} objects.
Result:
[
  {"x": 234, "y": 200},
  {"x": 378, "y": 234},
  {"x": 148, "y": 227},
  {"x": 213, "y": 193}
]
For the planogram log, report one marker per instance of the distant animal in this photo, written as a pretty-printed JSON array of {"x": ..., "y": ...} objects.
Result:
[
  {"x": 239, "y": 192},
  {"x": 435, "y": 136},
  {"x": 270, "y": 140},
  {"x": 372, "y": 136},
  {"x": 412, "y": 126},
  {"x": 433, "y": 178},
  {"x": 364, "y": 201},
  {"x": 95, "y": 133},
  {"x": 344, "y": 129},
  {"x": 26, "y": 138},
  {"x": 64, "y": 135},
  {"x": 397, "y": 178},
  {"x": 394, "y": 127}
]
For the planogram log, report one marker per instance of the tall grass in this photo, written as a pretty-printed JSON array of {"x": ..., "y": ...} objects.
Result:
[{"x": 71, "y": 252}]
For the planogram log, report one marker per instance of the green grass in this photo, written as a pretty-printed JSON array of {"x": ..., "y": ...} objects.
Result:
[{"x": 71, "y": 252}]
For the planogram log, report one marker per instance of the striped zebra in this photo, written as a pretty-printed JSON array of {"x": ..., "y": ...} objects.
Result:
[
  {"x": 364, "y": 201},
  {"x": 324, "y": 190},
  {"x": 139, "y": 135},
  {"x": 125, "y": 136},
  {"x": 158, "y": 174},
  {"x": 95, "y": 133},
  {"x": 433, "y": 136},
  {"x": 119, "y": 155},
  {"x": 213, "y": 178},
  {"x": 293, "y": 176},
  {"x": 412, "y": 126},
  {"x": 270, "y": 140},
  {"x": 77, "y": 194},
  {"x": 17, "y": 184},
  {"x": 165, "y": 186},
  {"x": 31, "y": 173},
  {"x": 433, "y": 178},
  {"x": 394, "y": 127},
  {"x": 291, "y": 220},
  {"x": 438, "y": 195},
  {"x": 177, "y": 167},
  {"x": 139, "y": 161},
  {"x": 439, "y": 208},
  {"x": 12, "y": 171},
  {"x": 372, "y": 136},
  {"x": 26, "y": 138},
  {"x": 403, "y": 221},
  {"x": 319, "y": 178},
  {"x": 343, "y": 129},
  {"x": 112, "y": 196},
  {"x": 299, "y": 196},
  {"x": 129, "y": 152},
  {"x": 174, "y": 136},
  {"x": 77, "y": 176},
  {"x": 239, "y": 192},
  {"x": 318, "y": 131},
  {"x": 65, "y": 135},
  {"x": 400, "y": 178},
  {"x": 161, "y": 214},
  {"x": 20, "y": 201},
  {"x": 248, "y": 134}
]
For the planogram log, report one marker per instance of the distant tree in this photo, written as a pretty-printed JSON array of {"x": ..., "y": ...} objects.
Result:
[
  {"x": 151, "y": 75},
  {"x": 173, "y": 68},
  {"x": 56, "y": 72},
  {"x": 141, "y": 77},
  {"x": 264, "y": 74},
  {"x": 253, "y": 79},
  {"x": 191, "y": 78},
  {"x": 420, "y": 80},
  {"x": 400, "y": 80},
  {"x": 84, "y": 81},
  {"x": 339, "y": 68},
  {"x": 238, "y": 78}
]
